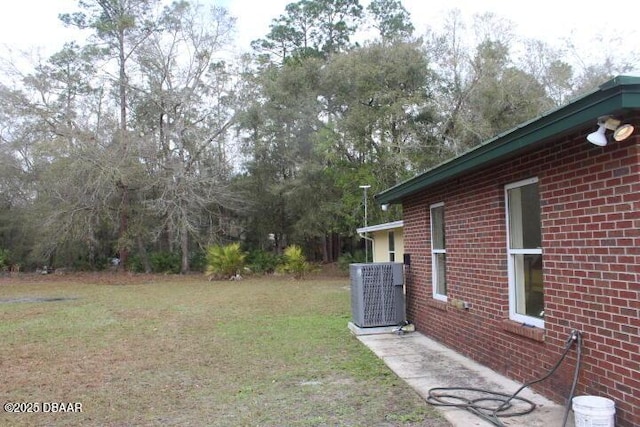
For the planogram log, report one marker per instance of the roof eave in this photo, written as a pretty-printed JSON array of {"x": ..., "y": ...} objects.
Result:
[
  {"x": 381, "y": 227},
  {"x": 614, "y": 96}
]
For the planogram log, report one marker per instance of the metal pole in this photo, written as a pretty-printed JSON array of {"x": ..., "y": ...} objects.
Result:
[{"x": 366, "y": 241}]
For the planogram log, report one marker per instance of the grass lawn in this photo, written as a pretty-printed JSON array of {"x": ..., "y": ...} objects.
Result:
[{"x": 183, "y": 351}]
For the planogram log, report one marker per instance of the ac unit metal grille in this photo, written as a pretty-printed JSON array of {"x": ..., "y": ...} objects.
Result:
[{"x": 377, "y": 296}]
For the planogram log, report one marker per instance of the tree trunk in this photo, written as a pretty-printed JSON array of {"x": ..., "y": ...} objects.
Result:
[
  {"x": 184, "y": 246},
  {"x": 143, "y": 255},
  {"x": 326, "y": 248},
  {"x": 125, "y": 202}
]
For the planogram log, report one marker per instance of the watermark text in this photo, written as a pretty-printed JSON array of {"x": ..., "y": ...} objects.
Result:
[{"x": 44, "y": 407}]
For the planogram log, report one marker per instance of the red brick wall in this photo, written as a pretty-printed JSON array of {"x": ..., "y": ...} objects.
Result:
[{"x": 590, "y": 202}]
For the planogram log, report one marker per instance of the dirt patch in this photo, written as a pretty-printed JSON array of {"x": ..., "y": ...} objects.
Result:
[
  {"x": 97, "y": 278},
  {"x": 36, "y": 299}
]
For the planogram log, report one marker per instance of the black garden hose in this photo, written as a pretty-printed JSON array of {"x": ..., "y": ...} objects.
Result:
[
  {"x": 577, "y": 337},
  {"x": 445, "y": 396}
]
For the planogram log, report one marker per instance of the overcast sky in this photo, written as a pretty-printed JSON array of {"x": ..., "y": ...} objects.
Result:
[{"x": 34, "y": 24}]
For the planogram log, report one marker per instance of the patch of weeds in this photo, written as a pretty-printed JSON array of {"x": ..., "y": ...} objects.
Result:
[
  {"x": 414, "y": 416},
  {"x": 316, "y": 420}
]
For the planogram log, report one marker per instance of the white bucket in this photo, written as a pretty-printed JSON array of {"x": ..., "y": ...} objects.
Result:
[{"x": 594, "y": 411}]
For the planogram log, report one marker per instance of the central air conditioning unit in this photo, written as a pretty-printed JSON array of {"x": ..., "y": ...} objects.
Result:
[{"x": 377, "y": 294}]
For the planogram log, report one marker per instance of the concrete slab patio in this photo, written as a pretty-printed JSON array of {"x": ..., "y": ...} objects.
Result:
[{"x": 425, "y": 364}]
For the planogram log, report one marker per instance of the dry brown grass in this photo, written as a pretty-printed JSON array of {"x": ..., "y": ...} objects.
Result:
[{"x": 167, "y": 350}]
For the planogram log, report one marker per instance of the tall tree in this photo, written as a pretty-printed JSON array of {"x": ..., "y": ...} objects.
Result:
[
  {"x": 186, "y": 108},
  {"x": 380, "y": 117},
  {"x": 337, "y": 21},
  {"x": 548, "y": 66},
  {"x": 60, "y": 112},
  {"x": 16, "y": 177},
  {"x": 279, "y": 127},
  {"x": 311, "y": 28},
  {"x": 376, "y": 95},
  {"x": 504, "y": 96},
  {"x": 391, "y": 19},
  {"x": 120, "y": 27},
  {"x": 290, "y": 35},
  {"x": 482, "y": 92}
]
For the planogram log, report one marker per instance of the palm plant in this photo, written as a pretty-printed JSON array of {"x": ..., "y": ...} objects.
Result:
[
  {"x": 225, "y": 261},
  {"x": 294, "y": 262}
]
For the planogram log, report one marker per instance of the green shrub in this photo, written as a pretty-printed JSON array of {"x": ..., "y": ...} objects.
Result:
[
  {"x": 4, "y": 259},
  {"x": 350, "y": 258},
  {"x": 198, "y": 261},
  {"x": 262, "y": 262},
  {"x": 225, "y": 261},
  {"x": 165, "y": 262},
  {"x": 162, "y": 262},
  {"x": 135, "y": 264},
  {"x": 294, "y": 262}
]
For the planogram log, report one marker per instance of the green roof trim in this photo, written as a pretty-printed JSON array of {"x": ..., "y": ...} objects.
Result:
[{"x": 611, "y": 98}]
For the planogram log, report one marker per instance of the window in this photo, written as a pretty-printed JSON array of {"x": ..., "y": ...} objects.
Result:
[
  {"x": 524, "y": 248},
  {"x": 438, "y": 252},
  {"x": 392, "y": 247}
]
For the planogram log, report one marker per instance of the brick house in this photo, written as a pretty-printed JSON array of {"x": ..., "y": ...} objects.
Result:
[{"x": 533, "y": 234}]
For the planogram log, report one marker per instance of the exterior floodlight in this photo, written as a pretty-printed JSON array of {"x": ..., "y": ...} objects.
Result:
[
  {"x": 598, "y": 137},
  {"x": 623, "y": 132},
  {"x": 385, "y": 207},
  {"x": 620, "y": 132}
]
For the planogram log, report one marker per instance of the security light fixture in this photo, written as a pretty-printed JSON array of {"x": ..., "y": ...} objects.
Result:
[
  {"x": 623, "y": 132},
  {"x": 598, "y": 137},
  {"x": 620, "y": 133}
]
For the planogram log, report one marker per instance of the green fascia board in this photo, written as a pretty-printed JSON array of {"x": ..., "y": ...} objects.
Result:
[{"x": 611, "y": 98}]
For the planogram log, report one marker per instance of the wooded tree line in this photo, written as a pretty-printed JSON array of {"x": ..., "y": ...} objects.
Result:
[{"x": 151, "y": 140}]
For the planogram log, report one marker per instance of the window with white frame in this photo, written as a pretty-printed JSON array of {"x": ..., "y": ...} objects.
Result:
[
  {"x": 524, "y": 247},
  {"x": 438, "y": 252},
  {"x": 392, "y": 246}
]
